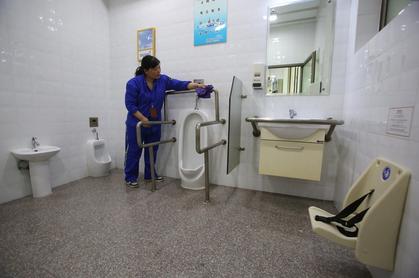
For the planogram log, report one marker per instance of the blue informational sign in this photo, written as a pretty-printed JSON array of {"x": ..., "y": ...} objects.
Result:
[
  {"x": 210, "y": 21},
  {"x": 386, "y": 173}
]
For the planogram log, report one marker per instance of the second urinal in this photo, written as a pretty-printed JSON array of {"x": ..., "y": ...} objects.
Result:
[{"x": 98, "y": 158}]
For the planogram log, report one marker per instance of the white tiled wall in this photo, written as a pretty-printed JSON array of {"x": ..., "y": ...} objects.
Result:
[
  {"x": 382, "y": 74},
  {"x": 54, "y": 74},
  {"x": 246, "y": 44}
]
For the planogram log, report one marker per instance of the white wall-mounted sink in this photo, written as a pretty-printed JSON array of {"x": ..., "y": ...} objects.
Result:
[
  {"x": 38, "y": 167},
  {"x": 41, "y": 153}
]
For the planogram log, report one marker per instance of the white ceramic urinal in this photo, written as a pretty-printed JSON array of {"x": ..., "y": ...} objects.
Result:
[
  {"x": 98, "y": 159},
  {"x": 191, "y": 163}
]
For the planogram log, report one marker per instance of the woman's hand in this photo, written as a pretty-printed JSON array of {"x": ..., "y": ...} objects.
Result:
[
  {"x": 141, "y": 118},
  {"x": 193, "y": 85},
  {"x": 144, "y": 120}
]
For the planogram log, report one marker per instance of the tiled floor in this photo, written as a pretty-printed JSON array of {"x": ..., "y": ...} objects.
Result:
[{"x": 96, "y": 227}]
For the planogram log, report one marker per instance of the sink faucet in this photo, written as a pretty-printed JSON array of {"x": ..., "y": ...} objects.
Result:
[
  {"x": 35, "y": 142},
  {"x": 293, "y": 113}
]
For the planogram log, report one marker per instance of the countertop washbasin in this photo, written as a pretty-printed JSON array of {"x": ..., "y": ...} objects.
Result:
[{"x": 41, "y": 153}]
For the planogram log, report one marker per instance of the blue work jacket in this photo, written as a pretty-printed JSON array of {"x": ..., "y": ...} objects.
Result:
[{"x": 138, "y": 97}]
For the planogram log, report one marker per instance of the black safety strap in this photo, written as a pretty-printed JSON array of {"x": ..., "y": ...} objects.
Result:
[{"x": 347, "y": 227}]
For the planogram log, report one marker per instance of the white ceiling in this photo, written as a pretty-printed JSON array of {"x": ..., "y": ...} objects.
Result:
[{"x": 296, "y": 11}]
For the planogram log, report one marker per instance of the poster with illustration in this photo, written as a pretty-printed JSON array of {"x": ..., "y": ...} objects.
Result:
[
  {"x": 210, "y": 21},
  {"x": 146, "y": 43}
]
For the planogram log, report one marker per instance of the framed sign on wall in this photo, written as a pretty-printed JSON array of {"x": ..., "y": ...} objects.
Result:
[{"x": 146, "y": 43}]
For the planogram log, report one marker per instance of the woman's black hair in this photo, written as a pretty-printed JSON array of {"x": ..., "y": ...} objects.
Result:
[{"x": 148, "y": 62}]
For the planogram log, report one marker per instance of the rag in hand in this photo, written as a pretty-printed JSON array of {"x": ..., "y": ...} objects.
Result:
[{"x": 204, "y": 92}]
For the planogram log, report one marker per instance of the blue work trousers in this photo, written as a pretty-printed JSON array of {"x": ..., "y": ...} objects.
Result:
[{"x": 133, "y": 151}]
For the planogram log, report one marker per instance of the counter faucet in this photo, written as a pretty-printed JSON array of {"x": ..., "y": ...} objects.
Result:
[
  {"x": 293, "y": 113},
  {"x": 35, "y": 142}
]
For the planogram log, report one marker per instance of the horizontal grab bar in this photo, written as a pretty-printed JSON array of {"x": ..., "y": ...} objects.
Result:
[
  {"x": 222, "y": 142},
  {"x": 216, "y": 106},
  {"x": 139, "y": 137},
  {"x": 172, "y": 140},
  {"x": 202, "y": 124},
  {"x": 296, "y": 121},
  {"x": 172, "y": 92},
  {"x": 331, "y": 122}
]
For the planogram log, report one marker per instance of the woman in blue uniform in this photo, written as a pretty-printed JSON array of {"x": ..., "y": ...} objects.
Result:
[{"x": 144, "y": 99}]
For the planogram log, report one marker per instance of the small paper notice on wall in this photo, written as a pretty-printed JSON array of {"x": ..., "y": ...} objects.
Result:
[{"x": 400, "y": 120}]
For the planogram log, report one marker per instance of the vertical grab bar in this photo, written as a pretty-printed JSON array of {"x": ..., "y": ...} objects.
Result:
[
  {"x": 205, "y": 151},
  {"x": 151, "y": 145}
]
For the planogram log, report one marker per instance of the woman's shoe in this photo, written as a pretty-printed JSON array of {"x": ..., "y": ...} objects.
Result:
[{"x": 132, "y": 184}]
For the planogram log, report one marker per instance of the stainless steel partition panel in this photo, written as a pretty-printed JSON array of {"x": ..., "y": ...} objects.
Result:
[{"x": 234, "y": 125}]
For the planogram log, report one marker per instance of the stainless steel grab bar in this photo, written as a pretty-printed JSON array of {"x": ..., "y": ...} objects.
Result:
[
  {"x": 139, "y": 137},
  {"x": 216, "y": 100},
  {"x": 331, "y": 122},
  {"x": 198, "y": 136},
  {"x": 205, "y": 151},
  {"x": 198, "y": 133},
  {"x": 151, "y": 145}
]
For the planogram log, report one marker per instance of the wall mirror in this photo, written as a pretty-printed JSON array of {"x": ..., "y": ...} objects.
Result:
[{"x": 300, "y": 47}]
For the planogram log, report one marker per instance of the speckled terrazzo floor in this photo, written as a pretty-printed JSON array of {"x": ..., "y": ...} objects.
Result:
[{"x": 96, "y": 227}]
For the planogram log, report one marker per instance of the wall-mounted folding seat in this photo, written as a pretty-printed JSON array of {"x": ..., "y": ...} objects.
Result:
[{"x": 384, "y": 186}]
